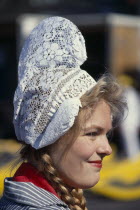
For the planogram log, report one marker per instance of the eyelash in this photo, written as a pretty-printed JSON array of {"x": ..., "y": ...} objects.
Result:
[
  {"x": 92, "y": 134},
  {"x": 108, "y": 135}
]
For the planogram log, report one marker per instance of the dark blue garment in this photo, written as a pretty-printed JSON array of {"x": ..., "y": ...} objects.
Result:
[{"x": 27, "y": 196}]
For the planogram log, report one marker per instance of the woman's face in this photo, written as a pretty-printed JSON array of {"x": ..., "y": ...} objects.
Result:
[{"x": 80, "y": 167}]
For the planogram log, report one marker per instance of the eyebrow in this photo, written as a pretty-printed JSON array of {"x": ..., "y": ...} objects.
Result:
[{"x": 96, "y": 127}]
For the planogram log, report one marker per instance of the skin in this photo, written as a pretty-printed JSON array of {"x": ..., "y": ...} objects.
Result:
[{"x": 75, "y": 168}]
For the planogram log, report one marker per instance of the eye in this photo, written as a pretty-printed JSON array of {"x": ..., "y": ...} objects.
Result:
[{"x": 95, "y": 133}]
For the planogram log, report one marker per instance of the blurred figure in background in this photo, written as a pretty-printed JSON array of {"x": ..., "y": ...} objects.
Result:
[{"x": 130, "y": 127}]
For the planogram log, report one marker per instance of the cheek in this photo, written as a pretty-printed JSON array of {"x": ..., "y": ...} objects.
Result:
[{"x": 84, "y": 148}]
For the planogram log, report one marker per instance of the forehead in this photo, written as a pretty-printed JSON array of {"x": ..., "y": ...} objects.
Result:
[{"x": 100, "y": 116}]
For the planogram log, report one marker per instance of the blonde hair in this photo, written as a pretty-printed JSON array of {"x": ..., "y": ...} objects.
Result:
[{"x": 106, "y": 89}]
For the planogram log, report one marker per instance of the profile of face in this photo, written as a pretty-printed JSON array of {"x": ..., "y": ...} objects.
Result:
[{"x": 80, "y": 167}]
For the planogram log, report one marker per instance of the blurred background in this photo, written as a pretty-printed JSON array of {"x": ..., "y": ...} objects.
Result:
[{"x": 112, "y": 32}]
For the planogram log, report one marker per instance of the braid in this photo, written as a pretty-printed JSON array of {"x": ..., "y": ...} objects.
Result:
[
  {"x": 78, "y": 194},
  {"x": 73, "y": 198}
]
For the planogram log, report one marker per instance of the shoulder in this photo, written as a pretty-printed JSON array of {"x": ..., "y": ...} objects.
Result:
[
  {"x": 25, "y": 195},
  {"x": 6, "y": 204},
  {"x": 54, "y": 207}
]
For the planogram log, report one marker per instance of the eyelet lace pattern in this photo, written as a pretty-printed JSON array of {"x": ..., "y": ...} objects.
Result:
[{"x": 50, "y": 82}]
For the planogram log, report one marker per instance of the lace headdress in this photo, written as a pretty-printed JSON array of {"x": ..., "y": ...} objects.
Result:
[{"x": 50, "y": 82}]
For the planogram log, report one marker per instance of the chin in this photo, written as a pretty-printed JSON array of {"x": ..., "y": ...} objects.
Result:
[
  {"x": 83, "y": 182},
  {"x": 89, "y": 185},
  {"x": 86, "y": 184}
]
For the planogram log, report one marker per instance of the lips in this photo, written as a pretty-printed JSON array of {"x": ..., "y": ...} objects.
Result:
[{"x": 96, "y": 163}]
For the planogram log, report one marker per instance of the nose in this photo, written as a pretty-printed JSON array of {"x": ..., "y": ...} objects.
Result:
[{"x": 104, "y": 147}]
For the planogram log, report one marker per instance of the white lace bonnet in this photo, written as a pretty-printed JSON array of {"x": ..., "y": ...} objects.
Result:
[{"x": 50, "y": 82}]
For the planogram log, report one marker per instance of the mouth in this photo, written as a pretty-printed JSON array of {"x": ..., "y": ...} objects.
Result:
[{"x": 96, "y": 163}]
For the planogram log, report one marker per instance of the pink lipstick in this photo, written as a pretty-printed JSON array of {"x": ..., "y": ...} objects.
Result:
[{"x": 96, "y": 163}]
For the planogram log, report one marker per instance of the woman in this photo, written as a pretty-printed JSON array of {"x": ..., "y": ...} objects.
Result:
[{"x": 63, "y": 117}]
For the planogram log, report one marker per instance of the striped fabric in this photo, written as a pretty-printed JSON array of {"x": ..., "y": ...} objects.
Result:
[{"x": 26, "y": 195}]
